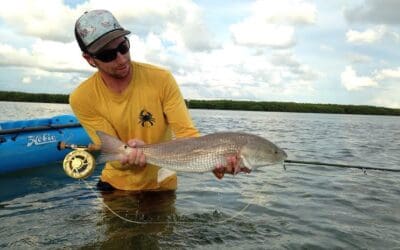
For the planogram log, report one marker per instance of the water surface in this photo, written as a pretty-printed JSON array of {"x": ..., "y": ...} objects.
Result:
[{"x": 302, "y": 207}]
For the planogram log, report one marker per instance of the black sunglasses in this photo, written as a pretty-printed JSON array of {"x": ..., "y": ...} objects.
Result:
[{"x": 108, "y": 55}]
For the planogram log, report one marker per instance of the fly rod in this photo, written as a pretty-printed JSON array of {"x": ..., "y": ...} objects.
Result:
[{"x": 340, "y": 165}]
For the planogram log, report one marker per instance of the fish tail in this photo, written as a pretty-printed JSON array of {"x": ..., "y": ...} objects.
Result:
[
  {"x": 103, "y": 158},
  {"x": 109, "y": 147}
]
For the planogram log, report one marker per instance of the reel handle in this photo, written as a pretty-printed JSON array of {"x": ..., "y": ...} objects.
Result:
[{"x": 90, "y": 147}]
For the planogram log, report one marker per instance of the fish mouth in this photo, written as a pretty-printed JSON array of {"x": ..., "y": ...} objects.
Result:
[{"x": 283, "y": 154}]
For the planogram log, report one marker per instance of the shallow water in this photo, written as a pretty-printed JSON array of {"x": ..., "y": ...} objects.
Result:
[{"x": 302, "y": 207}]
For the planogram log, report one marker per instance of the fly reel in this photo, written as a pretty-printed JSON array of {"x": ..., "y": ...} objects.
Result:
[{"x": 79, "y": 164}]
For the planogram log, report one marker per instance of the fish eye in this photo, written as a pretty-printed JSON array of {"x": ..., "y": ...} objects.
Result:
[{"x": 125, "y": 146}]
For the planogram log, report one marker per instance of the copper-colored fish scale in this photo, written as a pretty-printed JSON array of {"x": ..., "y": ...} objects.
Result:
[{"x": 194, "y": 154}]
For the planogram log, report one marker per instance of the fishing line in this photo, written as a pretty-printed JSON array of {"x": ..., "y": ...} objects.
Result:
[
  {"x": 240, "y": 212},
  {"x": 79, "y": 163},
  {"x": 159, "y": 222},
  {"x": 364, "y": 168}
]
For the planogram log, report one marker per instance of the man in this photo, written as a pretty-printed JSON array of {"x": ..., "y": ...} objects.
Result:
[{"x": 133, "y": 101}]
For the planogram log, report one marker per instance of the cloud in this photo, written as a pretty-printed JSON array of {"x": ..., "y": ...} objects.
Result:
[
  {"x": 263, "y": 34},
  {"x": 255, "y": 58},
  {"x": 230, "y": 71},
  {"x": 195, "y": 38},
  {"x": 273, "y": 24},
  {"x": 388, "y": 74},
  {"x": 46, "y": 66},
  {"x": 234, "y": 72},
  {"x": 54, "y": 21},
  {"x": 388, "y": 95},
  {"x": 374, "y": 11},
  {"x": 351, "y": 81},
  {"x": 190, "y": 29},
  {"x": 181, "y": 22},
  {"x": 388, "y": 98},
  {"x": 384, "y": 94},
  {"x": 368, "y": 36},
  {"x": 294, "y": 75},
  {"x": 26, "y": 80},
  {"x": 49, "y": 20},
  {"x": 355, "y": 58},
  {"x": 46, "y": 55},
  {"x": 11, "y": 56},
  {"x": 384, "y": 101},
  {"x": 295, "y": 12}
]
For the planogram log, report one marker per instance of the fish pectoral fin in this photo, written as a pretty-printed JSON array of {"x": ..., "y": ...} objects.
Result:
[
  {"x": 163, "y": 174},
  {"x": 246, "y": 163}
]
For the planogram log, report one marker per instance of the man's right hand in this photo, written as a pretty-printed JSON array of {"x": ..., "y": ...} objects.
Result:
[{"x": 136, "y": 155}]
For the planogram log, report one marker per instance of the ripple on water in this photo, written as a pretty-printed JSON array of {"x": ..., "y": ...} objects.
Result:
[{"x": 304, "y": 207}]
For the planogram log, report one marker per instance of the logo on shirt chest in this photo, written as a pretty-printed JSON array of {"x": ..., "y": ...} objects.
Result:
[{"x": 146, "y": 119}]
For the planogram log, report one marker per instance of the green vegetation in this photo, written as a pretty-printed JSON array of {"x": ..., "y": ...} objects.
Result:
[
  {"x": 291, "y": 107},
  {"x": 228, "y": 105},
  {"x": 30, "y": 97}
]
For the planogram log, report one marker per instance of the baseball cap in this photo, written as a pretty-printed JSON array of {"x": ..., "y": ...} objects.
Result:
[{"x": 95, "y": 29}]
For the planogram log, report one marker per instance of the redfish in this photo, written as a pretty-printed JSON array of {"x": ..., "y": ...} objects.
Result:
[{"x": 199, "y": 154}]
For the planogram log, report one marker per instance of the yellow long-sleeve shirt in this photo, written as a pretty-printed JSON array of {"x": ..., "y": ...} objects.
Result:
[{"x": 151, "y": 108}]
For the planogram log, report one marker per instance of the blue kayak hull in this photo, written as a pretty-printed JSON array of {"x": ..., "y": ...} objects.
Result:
[{"x": 32, "y": 143}]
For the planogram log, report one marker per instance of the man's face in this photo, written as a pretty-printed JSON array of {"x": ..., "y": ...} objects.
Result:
[{"x": 114, "y": 59}]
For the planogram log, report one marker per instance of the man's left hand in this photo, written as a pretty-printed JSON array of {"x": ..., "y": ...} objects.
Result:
[{"x": 232, "y": 167}]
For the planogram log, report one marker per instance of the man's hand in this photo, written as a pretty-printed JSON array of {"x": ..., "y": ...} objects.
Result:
[
  {"x": 232, "y": 167},
  {"x": 136, "y": 155}
]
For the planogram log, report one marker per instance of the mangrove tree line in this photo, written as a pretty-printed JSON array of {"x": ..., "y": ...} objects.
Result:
[{"x": 227, "y": 105}]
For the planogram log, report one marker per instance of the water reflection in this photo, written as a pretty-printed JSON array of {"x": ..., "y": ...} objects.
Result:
[{"x": 145, "y": 215}]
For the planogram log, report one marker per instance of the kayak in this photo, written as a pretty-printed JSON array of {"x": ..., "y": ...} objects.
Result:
[{"x": 33, "y": 143}]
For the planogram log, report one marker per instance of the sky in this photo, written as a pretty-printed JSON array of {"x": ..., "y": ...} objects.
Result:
[{"x": 305, "y": 51}]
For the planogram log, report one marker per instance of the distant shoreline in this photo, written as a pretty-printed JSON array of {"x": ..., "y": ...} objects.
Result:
[{"x": 227, "y": 105}]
